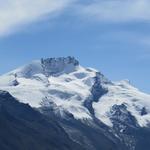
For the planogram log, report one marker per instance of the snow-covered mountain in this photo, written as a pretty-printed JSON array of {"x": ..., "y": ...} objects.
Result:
[
  {"x": 69, "y": 89},
  {"x": 89, "y": 105}
]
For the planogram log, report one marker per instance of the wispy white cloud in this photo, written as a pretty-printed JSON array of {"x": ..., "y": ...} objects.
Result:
[
  {"x": 117, "y": 10},
  {"x": 14, "y": 13}
]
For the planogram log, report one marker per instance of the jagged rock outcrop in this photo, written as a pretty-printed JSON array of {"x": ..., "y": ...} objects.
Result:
[{"x": 53, "y": 66}]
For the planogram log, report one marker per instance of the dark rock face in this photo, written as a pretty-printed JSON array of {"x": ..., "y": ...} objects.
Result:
[
  {"x": 143, "y": 111},
  {"x": 15, "y": 83},
  {"x": 123, "y": 125},
  {"x": 120, "y": 115},
  {"x": 97, "y": 92},
  {"x": 23, "y": 128},
  {"x": 56, "y": 65},
  {"x": 126, "y": 128}
]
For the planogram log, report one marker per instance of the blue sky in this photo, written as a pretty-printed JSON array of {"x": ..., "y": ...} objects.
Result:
[{"x": 112, "y": 36}]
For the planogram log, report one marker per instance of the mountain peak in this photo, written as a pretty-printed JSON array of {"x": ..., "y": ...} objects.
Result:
[
  {"x": 61, "y": 64},
  {"x": 57, "y": 60},
  {"x": 47, "y": 66}
]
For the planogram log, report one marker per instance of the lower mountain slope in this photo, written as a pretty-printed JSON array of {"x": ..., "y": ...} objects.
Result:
[{"x": 23, "y": 128}]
